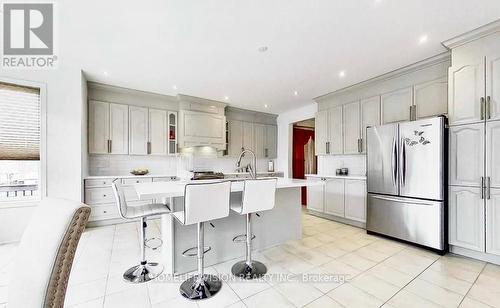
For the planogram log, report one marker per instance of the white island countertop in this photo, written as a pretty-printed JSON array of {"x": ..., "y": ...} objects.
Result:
[{"x": 154, "y": 190}]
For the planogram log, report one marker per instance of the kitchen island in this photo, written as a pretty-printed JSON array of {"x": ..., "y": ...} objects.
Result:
[{"x": 274, "y": 227}]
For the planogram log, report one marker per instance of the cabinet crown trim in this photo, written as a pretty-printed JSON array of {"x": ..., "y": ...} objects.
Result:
[{"x": 472, "y": 35}]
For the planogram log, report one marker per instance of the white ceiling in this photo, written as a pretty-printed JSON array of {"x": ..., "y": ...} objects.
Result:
[{"x": 210, "y": 48}]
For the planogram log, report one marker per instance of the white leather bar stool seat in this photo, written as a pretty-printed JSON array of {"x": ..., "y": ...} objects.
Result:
[
  {"x": 203, "y": 202},
  {"x": 145, "y": 271},
  {"x": 258, "y": 195}
]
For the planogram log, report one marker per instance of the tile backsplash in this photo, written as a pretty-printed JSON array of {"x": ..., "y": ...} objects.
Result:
[
  {"x": 170, "y": 165},
  {"x": 355, "y": 163}
]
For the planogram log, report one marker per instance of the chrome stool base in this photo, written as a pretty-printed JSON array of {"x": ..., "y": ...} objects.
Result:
[
  {"x": 143, "y": 272},
  {"x": 256, "y": 269},
  {"x": 198, "y": 289}
]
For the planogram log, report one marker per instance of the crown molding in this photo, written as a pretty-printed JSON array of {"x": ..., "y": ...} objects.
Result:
[
  {"x": 472, "y": 35},
  {"x": 440, "y": 58}
]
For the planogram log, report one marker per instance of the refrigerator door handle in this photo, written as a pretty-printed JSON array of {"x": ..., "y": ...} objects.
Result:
[
  {"x": 412, "y": 201},
  {"x": 394, "y": 162},
  {"x": 403, "y": 162}
]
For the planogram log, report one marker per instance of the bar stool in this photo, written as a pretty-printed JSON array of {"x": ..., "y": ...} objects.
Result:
[
  {"x": 145, "y": 271},
  {"x": 258, "y": 195},
  {"x": 202, "y": 202}
]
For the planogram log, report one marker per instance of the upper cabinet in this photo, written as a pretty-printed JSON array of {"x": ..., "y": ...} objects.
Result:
[
  {"x": 321, "y": 132},
  {"x": 352, "y": 128},
  {"x": 335, "y": 131},
  {"x": 466, "y": 92},
  {"x": 258, "y": 137},
  {"x": 158, "y": 132},
  {"x": 493, "y": 84},
  {"x": 271, "y": 149},
  {"x": 108, "y": 128},
  {"x": 123, "y": 129},
  {"x": 98, "y": 127},
  {"x": 474, "y": 82},
  {"x": 370, "y": 116},
  {"x": 138, "y": 131},
  {"x": 396, "y": 105},
  {"x": 430, "y": 98}
]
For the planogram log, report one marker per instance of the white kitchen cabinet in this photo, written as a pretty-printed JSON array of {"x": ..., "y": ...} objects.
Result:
[
  {"x": 138, "y": 130},
  {"x": 352, "y": 128},
  {"x": 98, "y": 127},
  {"x": 493, "y": 222},
  {"x": 493, "y": 84},
  {"x": 158, "y": 132},
  {"x": 396, "y": 105},
  {"x": 321, "y": 132},
  {"x": 235, "y": 142},
  {"x": 200, "y": 128},
  {"x": 430, "y": 98},
  {"x": 355, "y": 200},
  {"x": 466, "y": 154},
  {"x": 466, "y": 218},
  {"x": 172, "y": 132},
  {"x": 118, "y": 129},
  {"x": 493, "y": 153},
  {"x": 335, "y": 131},
  {"x": 248, "y": 136},
  {"x": 334, "y": 197},
  {"x": 315, "y": 195},
  {"x": 271, "y": 150},
  {"x": 259, "y": 132},
  {"x": 466, "y": 91},
  {"x": 370, "y": 116}
]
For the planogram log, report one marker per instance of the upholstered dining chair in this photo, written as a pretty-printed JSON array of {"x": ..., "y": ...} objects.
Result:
[{"x": 45, "y": 254}]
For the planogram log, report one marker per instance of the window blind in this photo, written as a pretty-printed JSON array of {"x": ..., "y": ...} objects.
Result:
[{"x": 19, "y": 122}]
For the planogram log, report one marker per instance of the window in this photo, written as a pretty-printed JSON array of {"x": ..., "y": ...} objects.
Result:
[{"x": 20, "y": 132}]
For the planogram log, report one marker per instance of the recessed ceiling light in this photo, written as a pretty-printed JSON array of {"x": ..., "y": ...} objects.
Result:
[
  {"x": 423, "y": 39},
  {"x": 342, "y": 74},
  {"x": 378, "y": 1},
  {"x": 105, "y": 73},
  {"x": 295, "y": 93},
  {"x": 263, "y": 49},
  {"x": 174, "y": 87},
  {"x": 226, "y": 98},
  {"x": 265, "y": 106}
]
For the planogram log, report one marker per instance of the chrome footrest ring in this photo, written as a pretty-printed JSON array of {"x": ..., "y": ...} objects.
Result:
[
  {"x": 153, "y": 247},
  {"x": 242, "y": 238},
  {"x": 193, "y": 251}
]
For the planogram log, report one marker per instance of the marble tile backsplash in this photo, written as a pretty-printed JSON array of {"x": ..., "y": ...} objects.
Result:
[{"x": 355, "y": 163}]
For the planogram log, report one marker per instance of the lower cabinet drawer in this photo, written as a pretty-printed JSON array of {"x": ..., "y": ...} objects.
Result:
[
  {"x": 99, "y": 195},
  {"x": 165, "y": 179},
  {"x": 104, "y": 212},
  {"x": 98, "y": 182}
]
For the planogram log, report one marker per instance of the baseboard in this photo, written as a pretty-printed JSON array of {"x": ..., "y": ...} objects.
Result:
[
  {"x": 486, "y": 257},
  {"x": 338, "y": 219}
]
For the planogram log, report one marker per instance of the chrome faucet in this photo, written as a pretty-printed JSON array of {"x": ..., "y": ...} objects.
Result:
[{"x": 253, "y": 167}]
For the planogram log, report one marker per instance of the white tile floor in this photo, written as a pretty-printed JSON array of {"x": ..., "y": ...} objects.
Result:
[{"x": 365, "y": 271}]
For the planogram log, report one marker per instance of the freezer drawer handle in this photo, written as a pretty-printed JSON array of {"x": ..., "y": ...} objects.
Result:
[
  {"x": 488, "y": 188},
  {"x": 401, "y": 200},
  {"x": 488, "y": 107},
  {"x": 481, "y": 101},
  {"x": 482, "y": 187}
]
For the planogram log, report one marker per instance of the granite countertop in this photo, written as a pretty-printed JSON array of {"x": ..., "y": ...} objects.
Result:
[{"x": 329, "y": 176}]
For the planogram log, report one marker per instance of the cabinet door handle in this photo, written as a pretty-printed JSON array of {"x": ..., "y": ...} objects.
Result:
[
  {"x": 360, "y": 146},
  {"x": 110, "y": 146},
  {"x": 148, "y": 147},
  {"x": 481, "y": 101},
  {"x": 482, "y": 188},
  {"x": 488, "y": 188},
  {"x": 328, "y": 147},
  {"x": 411, "y": 113},
  {"x": 488, "y": 107},
  {"x": 266, "y": 152}
]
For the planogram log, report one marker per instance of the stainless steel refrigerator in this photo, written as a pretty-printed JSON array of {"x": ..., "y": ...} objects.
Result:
[{"x": 406, "y": 181}]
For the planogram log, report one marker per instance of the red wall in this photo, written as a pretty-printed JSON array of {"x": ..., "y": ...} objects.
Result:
[{"x": 300, "y": 138}]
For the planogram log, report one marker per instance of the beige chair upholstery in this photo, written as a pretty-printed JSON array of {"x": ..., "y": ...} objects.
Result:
[{"x": 45, "y": 255}]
